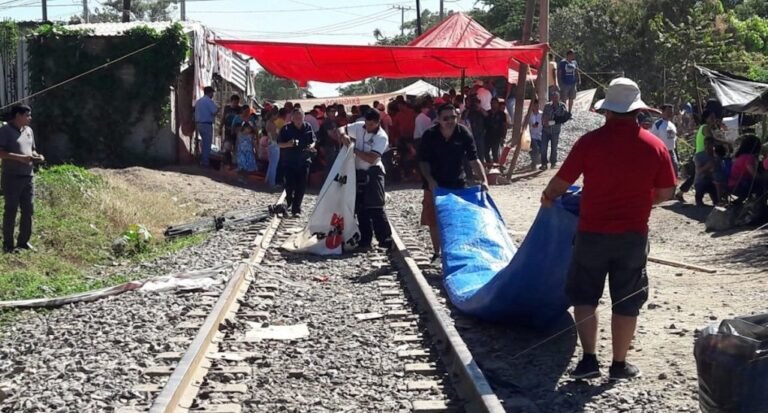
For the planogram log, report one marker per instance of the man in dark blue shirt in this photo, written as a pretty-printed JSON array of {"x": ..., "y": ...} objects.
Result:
[
  {"x": 569, "y": 78},
  {"x": 297, "y": 145}
]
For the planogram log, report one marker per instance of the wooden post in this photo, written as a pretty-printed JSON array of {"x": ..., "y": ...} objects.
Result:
[
  {"x": 522, "y": 83},
  {"x": 696, "y": 85},
  {"x": 45, "y": 10},
  {"x": 418, "y": 18},
  {"x": 542, "y": 89},
  {"x": 126, "y": 11}
]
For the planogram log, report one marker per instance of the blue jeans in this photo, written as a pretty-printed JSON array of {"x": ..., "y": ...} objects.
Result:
[
  {"x": 535, "y": 151},
  {"x": 206, "y": 135},
  {"x": 274, "y": 160},
  {"x": 548, "y": 138},
  {"x": 510, "y": 103}
]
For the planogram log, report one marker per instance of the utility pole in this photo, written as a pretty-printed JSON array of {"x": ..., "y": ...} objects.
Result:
[
  {"x": 543, "y": 85},
  {"x": 418, "y": 18},
  {"x": 86, "y": 14},
  {"x": 183, "y": 10},
  {"x": 402, "y": 17},
  {"x": 442, "y": 9},
  {"x": 126, "y": 11},
  {"x": 45, "y": 10},
  {"x": 522, "y": 82}
]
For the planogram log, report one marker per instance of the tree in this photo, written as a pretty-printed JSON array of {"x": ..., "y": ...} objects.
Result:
[
  {"x": 268, "y": 86},
  {"x": 142, "y": 10}
]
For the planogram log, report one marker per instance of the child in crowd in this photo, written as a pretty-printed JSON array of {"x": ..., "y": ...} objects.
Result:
[
  {"x": 535, "y": 131},
  {"x": 246, "y": 157}
]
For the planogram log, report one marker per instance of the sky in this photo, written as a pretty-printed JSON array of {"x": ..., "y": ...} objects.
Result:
[{"x": 312, "y": 21}]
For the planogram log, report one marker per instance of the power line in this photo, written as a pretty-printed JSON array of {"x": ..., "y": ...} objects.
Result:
[{"x": 306, "y": 10}]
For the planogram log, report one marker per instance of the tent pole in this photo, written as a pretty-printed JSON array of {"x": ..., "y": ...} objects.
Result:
[
  {"x": 522, "y": 83},
  {"x": 544, "y": 38},
  {"x": 418, "y": 17},
  {"x": 698, "y": 93}
]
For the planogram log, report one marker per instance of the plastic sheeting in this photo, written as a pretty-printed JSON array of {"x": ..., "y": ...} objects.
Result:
[
  {"x": 487, "y": 276},
  {"x": 305, "y": 62},
  {"x": 332, "y": 226},
  {"x": 732, "y": 362}
]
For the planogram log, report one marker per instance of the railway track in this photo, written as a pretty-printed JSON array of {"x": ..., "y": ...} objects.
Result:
[{"x": 283, "y": 336}]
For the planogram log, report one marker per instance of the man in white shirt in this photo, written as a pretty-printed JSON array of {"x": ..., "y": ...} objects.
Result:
[
  {"x": 534, "y": 127},
  {"x": 483, "y": 95},
  {"x": 370, "y": 141},
  {"x": 205, "y": 115},
  {"x": 311, "y": 119},
  {"x": 665, "y": 130},
  {"x": 423, "y": 121}
]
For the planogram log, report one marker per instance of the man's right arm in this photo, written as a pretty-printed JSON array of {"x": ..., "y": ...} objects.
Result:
[{"x": 662, "y": 195}]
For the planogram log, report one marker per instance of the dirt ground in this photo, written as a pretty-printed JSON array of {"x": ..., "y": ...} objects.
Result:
[
  {"x": 207, "y": 190},
  {"x": 681, "y": 301}
]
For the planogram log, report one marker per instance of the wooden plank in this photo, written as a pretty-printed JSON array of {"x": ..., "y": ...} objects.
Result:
[
  {"x": 421, "y": 368},
  {"x": 368, "y": 316},
  {"x": 247, "y": 370},
  {"x": 391, "y": 293},
  {"x": 406, "y": 338},
  {"x": 159, "y": 371},
  {"x": 197, "y": 313},
  {"x": 233, "y": 356},
  {"x": 169, "y": 356},
  {"x": 678, "y": 264},
  {"x": 404, "y": 354},
  {"x": 398, "y": 313},
  {"x": 401, "y": 324},
  {"x": 422, "y": 385},
  {"x": 148, "y": 388},
  {"x": 227, "y": 388},
  {"x": 429, "y": 406},
  {"x": 257, "y": 315},
  {"x": 394, "y": 301},
  {"x": 220, "y": 408}
]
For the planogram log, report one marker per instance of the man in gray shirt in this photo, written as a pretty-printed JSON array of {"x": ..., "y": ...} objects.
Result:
[{"x": 18, "y": 152}]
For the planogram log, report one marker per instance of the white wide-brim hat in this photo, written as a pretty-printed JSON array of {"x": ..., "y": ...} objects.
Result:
[{"x": 622, "y": 96}]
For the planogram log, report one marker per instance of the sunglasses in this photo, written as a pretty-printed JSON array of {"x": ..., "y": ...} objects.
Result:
[{"x": 447, "y": 118}]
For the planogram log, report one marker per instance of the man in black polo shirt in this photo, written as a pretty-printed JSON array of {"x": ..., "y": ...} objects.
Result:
[
  {"x": 443, "y": 150},
  {"x": 18, "y": 152},
  {"x": 297, "y": 144}
]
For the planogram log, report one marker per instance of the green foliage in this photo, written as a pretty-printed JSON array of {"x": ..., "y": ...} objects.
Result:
[
  {"x": 137, "y": 239},
  {"x": 73, "y": 231},
  {"x": 268, "y": 86},
  {"x": 97, "y": 112},
  {"x": 9, "y": 38},
  {"x": 656, "y": 42}
]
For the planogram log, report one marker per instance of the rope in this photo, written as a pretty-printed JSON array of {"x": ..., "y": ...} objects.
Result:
[
  {"x": 72, "y": 79},
  {"x": 598, "y": 311}
]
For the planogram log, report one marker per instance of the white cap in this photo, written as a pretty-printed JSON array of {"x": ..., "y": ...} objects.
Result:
[{"x": 622, "y": 96}]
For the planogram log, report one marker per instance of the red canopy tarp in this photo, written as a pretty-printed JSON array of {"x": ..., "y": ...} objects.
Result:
[
  {"x": 348, "y": 63},
  {"x": 460, "y": 30}
]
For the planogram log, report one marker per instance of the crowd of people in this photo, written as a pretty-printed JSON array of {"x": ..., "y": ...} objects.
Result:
[{"x": 725, "y": 171}]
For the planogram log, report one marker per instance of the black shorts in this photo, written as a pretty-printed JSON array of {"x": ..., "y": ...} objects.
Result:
[{"x": 622, "y": 257}]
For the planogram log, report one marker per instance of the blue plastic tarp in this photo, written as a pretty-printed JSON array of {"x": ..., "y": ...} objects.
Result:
[{"x": 486, "y": 276}]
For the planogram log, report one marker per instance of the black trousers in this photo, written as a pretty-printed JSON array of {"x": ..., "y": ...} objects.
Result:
[
  {"x": 369, "y": 207},
  {"x": 18, "y": 192},
  {"x": 295, "y": 184}
]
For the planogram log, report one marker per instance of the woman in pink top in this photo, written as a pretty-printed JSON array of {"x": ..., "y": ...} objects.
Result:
[{"x": 744, "y": 168}]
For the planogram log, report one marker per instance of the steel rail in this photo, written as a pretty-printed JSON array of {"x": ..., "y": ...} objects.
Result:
[
  {"x": 183, "y": 385},
  {"x": 474, "y": 386}
]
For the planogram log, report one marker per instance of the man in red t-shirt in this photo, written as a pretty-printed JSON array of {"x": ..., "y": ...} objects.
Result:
[{"x": 626, "y": 171}]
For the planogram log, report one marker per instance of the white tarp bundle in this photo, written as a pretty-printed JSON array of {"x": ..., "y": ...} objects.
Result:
[
  {"x": 418, "y": 88},
  {"x": 332, "y": 226}
]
